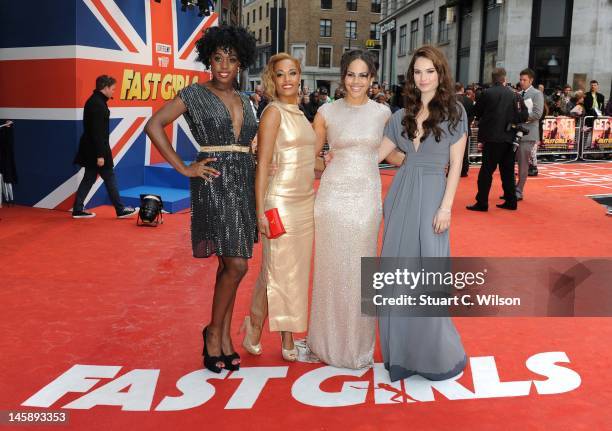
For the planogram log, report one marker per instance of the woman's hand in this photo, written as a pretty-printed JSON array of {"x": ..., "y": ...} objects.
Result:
[
  {"x": 263, "y": 225},
  {"x": 442, "y": 220},
  {"x": 328, "y": 156},
  {"x": 200, "y": 169}
]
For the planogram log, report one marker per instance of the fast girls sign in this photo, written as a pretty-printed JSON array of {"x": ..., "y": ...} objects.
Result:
[{"x": 546, "y": 373}]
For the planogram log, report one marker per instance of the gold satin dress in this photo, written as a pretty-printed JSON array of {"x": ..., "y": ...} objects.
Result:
[{"x": 286, "y": 260}]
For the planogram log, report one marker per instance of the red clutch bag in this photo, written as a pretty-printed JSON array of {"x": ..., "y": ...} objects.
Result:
[{"x": 276, "y": 225}]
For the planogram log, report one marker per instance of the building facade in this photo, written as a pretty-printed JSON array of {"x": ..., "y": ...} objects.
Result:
[
  {"x": 256, "y": 16},
  {"x": 563, "y": 41},
  {"x": 320, "y": 31},
  {"x": 317, "y": 32},
  {"x": 229, "y": 11}
]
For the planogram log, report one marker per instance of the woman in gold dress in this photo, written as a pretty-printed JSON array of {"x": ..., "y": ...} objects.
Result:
[{"x": 286, "y": 140}]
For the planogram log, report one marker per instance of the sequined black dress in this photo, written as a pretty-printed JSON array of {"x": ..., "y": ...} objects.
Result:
[{"x": 223, "y": 219}]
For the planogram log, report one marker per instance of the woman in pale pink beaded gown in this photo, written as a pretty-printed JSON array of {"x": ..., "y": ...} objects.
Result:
[{"x": 348, "y": 213}]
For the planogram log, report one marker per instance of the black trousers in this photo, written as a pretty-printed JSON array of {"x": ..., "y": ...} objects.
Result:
[
  {"x": 493, "y": 154},
  {"x": 465, "y": 166},
  {"x": 110, "y": 182}
]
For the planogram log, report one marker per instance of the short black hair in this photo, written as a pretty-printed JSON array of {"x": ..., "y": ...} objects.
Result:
[
  {"x": 226, "y": 36},
  {"x": 594, "y": 81},
  {"x": 104, "y": 81}
]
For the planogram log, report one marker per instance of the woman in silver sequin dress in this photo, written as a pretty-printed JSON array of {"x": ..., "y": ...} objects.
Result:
[
  {"x": 348, "y": 211},
  {"x": 223, "y": 220}
]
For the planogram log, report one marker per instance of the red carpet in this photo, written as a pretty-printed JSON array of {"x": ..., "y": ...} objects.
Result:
[{"x": 103, "y": 292}]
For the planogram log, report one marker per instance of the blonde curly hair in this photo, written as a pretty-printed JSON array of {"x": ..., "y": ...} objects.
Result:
[{"x": 267, "y": 76}]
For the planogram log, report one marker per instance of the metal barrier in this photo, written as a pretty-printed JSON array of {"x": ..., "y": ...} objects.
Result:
[
  {"x": 575, "y": 148},
  {"x": 597, "y": 139},
  {"x": 475, "y": 148},
  {"x": 566, "y": 145},
  {"x": 582, "y": 143}
]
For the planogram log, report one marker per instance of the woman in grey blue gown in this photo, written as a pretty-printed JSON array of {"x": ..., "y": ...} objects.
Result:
[{"x": 432, "y": 131}]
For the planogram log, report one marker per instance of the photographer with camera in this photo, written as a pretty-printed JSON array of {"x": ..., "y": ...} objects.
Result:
[
  {"x": 534, "y": 100},
  {"x": 497, "y": 109}
]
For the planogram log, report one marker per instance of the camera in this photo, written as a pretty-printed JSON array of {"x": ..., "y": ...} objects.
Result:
[{"x": 519, "y": 131}]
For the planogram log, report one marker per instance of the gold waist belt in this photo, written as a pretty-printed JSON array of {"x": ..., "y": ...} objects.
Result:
[{"x": 230, "y": 148}]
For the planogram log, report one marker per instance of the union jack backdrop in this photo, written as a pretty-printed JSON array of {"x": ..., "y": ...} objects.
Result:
[{"x": 50, "y": 55}]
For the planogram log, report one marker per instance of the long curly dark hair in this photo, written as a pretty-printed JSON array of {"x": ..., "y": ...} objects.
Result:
[
  {"x": 442, "y": 107},
  {"x": 225, "y": 36}
]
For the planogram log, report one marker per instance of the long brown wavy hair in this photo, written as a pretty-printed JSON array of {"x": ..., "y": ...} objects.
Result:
[{"x": 442, "y": 107}]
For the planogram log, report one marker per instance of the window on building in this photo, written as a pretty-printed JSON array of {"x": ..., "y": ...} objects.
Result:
[
  {"x": 465, "y": 34},
  {"x": 375, "y": 6},
  {"x": 259, "y": 38},
  {"x": 402, "y": 40},
  {"x": 260, "y": 15},
  {"x": 350, "y": 30},
  {"x": 442, "y": 26},
  {"x": 248, "y": 19},
  {"x": 414, "y": 34},
  {"x": 427, "y": 28},
  {"x": 351, "y": 5},
  {"x": 326, "y": 4},
  {"x": 552, "y": 18},
  {"x": 267, "y": 10},
  {"x": 489, "y": 43},
  {"x": 254, "y": 16},
  {"x": 324, "y": 56},
  {"x": 267, "y": 34},
  {"x": 492, "y": 22},
  {"x": 374, "y": 31},
  {"x": 325, "y": 27}
]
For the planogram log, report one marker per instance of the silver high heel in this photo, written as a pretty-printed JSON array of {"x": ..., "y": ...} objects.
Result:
[
  {"x": 289, "y": 355},
  {"x": 253, "y": 349}
]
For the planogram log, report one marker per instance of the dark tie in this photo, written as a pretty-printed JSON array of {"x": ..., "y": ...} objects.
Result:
[{"x": 523, "y": 93}]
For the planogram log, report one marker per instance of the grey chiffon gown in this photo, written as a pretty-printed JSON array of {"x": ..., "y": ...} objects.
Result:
[{"x": 428, "y": 346}]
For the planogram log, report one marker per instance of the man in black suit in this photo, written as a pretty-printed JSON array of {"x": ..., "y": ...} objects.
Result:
[
  {"x": 593, "y": 103},
  {"x": 95, "y": 153},
  {"x": 495, "y": 109},
  {"x": 263, "y": 100},
  {"x": 468, "y": 105}
]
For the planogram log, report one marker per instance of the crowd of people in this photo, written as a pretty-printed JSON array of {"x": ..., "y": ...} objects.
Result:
[{"x": 309, "y": 102}]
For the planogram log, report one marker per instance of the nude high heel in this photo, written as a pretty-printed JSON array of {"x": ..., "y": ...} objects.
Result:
[
  {"x": 289, "y": 355},
  {"x": 253, "y": 349}
]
